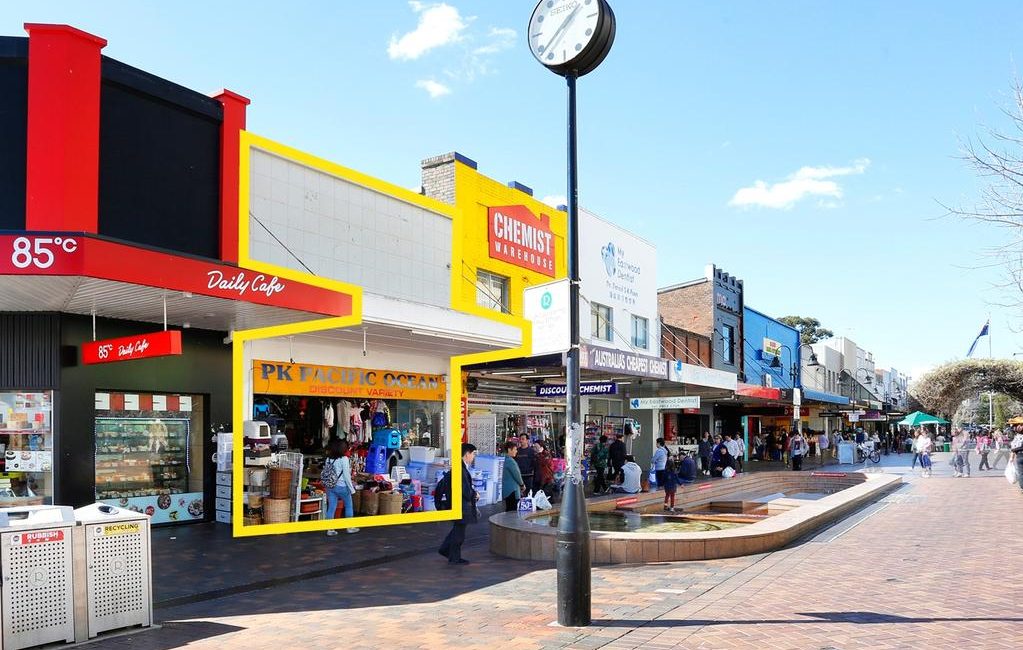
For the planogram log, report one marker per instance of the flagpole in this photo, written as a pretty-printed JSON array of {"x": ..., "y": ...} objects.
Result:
[{"x": 991, "y": 394}]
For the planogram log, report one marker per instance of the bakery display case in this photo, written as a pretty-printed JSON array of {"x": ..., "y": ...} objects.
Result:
[
  {"x": 143, "y": 464},
  {"x": 26, "y": 448}
]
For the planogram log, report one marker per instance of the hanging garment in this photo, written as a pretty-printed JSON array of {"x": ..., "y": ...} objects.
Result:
[{"x": 328, "y": 424}]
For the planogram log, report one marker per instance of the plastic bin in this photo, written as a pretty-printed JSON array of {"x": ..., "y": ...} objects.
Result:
[
  {"x": 37, "y": 596},
  {"x": 113, "y": 570}
]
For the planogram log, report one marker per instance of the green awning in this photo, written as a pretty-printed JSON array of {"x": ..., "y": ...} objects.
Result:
[{"x": 918, "y": 418}]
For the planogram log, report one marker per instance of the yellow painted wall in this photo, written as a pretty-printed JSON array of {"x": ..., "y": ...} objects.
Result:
[{"x": 474, "y": 194}]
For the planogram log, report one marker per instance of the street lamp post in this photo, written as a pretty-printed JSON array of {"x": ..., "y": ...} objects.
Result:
[
  {"x": 797, "y": 396},
  {"x": 571, "y": 42}
]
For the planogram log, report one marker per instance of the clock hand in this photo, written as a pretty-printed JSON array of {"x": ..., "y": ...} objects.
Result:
[{"x": 564, "y": 26}]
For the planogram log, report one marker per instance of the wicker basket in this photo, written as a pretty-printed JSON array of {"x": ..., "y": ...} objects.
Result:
[
  {"x": 280, "y": 482},
  {"x": 356, "y": 503},
  {"x": 255, "y": 501},
  {"x": 276, "y": 511},
  {"x": 252, "y": 520},
  {"x": 370, "y": 502},
  {"x": 390, "y": 503}
]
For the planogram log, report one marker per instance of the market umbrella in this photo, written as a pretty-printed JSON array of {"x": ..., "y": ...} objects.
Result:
[{"x": 917, "y": 418}]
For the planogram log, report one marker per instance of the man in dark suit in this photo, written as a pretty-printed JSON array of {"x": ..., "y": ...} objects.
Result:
[
  {"x": 452, "y": 546},
  {"x": 616, "y": 456}
]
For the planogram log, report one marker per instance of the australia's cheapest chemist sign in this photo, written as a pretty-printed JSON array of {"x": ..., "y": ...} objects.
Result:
[
  {"x": 278, "y": 378},
  {"x": 516, "y": 236},
  {"x": 82, "y": 255}
]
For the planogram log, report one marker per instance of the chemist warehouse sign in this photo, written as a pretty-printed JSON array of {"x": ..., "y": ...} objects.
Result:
[
  {"x": 516, "y": 236},
  {"x": 280, "y": 378}
]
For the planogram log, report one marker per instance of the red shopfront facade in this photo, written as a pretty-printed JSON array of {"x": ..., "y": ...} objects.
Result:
[{"x": 119, "y": 219}]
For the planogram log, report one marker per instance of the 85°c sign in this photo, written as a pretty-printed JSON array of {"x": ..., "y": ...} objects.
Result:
[{"x": 37, "y": 254}]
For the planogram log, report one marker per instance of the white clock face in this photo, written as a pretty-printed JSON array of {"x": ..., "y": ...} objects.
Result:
[{"x": 560, "y": 30}]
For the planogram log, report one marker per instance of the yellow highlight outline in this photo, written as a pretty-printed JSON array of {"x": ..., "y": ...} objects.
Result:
[{"x": 247, "y": 142}]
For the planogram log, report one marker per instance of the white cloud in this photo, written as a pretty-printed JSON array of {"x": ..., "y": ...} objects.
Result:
[
  {"x": 439, "y": 25},
  {"x": 436, "y": 89},
  {"x": 555, "y": 200},
  {"x": 808, "y": 181},
  {"x": 500, "y": 39}
]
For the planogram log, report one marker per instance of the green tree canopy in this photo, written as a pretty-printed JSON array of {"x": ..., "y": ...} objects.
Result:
[
  {"x": 943, "y": 389},
  {"x": 810, "y": 330}
]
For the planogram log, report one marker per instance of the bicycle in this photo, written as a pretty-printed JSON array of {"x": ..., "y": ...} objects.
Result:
[{"x": 865, "y": 451}]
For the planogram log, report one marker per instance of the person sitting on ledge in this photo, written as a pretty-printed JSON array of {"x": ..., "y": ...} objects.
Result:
[
  {"x": 687, "y": 470},
  {"x": 724, "y": 460},
  {"x": 631, "y": 473}
]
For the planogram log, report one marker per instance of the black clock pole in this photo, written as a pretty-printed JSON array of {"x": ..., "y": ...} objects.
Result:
[{"x": 573, "y": 540}]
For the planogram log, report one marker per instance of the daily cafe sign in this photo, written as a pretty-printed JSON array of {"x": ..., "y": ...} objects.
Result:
[{"x": 516, "y": 236}]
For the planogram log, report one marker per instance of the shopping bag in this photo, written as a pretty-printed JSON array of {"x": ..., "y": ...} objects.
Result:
[
  {"x": 727, "y": 472},
  {"x": 526, "y": 503},
  {"x": 652, "y": 477},
  {"x": 541, "y": 501},
  {"x": 1010, "y": 473}
]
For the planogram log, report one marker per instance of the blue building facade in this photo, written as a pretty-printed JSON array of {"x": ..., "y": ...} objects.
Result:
[{"x": 771, "y": 351}]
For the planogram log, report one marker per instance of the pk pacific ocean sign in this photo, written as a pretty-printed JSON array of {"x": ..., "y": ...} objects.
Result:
[{"x": 277, "y": 378}]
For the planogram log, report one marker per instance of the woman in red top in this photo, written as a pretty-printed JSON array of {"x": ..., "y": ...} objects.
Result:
[{"x": 545, "y": 468}]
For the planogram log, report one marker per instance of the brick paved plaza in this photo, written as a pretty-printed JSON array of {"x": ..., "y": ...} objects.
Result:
[{"x": 931, "y": 565}]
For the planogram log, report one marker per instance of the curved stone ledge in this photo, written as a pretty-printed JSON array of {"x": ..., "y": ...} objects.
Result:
[{"x": 516, "y": 536}]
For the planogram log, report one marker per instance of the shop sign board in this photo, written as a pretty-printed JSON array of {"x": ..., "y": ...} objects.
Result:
[
  {"x": 772, "y": 348},
  {"x": 618, "y": 270},
  {"x": 516, "y": 236},
  {"x": 589, "y": 388},
  {"x": 130, "y": 348},
  {"x": 677, "y": 402},
  {"x": 284, "y": 378},
  {"x": 547, "y": 307},
  {"x": 620, "y": 361},
  {"x": 687, "y": 373},
  {"x": 67, "y": 254},
  {"x": 804, "y": 411}
]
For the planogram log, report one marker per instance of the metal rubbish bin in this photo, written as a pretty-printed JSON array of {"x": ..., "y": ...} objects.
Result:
[
  {"x": 113, "y": 570},
  {"x": 37, "y": 597}
]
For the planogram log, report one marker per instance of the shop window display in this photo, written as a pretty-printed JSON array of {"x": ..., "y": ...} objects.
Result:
[
  {"x": 26, "y": 443},
  {"x": 149, "y": 454}
]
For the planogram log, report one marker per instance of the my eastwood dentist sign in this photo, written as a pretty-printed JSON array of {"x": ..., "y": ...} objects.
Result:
[
  {"x": 516, "y": 236},
  {"x": 83, "y": 255}
]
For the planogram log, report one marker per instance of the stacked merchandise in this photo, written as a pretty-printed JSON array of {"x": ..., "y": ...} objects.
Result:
[
  {"x": 487, "y": 473},
  {"x": 428, "y": 475}
]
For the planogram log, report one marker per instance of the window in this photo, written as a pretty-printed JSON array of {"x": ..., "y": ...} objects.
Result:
[
  {"x": 639, "y": 332},
  {"x": 728, "y": 344},
  {"x": 492, "y": 291},
  {"x": 600, "y": 321}
]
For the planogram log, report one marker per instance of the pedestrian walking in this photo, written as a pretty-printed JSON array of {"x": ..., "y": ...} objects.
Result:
[
  {"x": 923, "y": 447},
  {"x": 670, "y": 486},
  {"x": 1000, "y": 442},
  {"x": 616, "y": 456},
  {"x": 659, "y": 462},
  {"x": 526, "y": 460},
  {"x": 983, "y": 449},
  {"x": 1016, "y": 447},
  {"x": 704, "y": 450},
  {"x": 797, "y": 449},
  {"x": 916, "y": 449},
  {"x": 451, "y": 548},
  {"x": 341, "y": 472},
  {"x": 512, "y": 485},
  {"x": 598, "y": 464},
  {"x": 961, "y": 444}
]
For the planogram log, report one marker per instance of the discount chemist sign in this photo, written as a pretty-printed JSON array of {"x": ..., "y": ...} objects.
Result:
[{"x": 278, "y": 378}]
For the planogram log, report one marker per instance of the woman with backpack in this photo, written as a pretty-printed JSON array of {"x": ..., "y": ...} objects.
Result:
[
  {"x": 797, "y": 449},
  {"x": 337, "y": 481}
]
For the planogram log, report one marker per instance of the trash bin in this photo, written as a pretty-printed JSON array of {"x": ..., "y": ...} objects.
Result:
[
  {"x": 37, "y": 597},
  {"x": 113, "y": 570}
]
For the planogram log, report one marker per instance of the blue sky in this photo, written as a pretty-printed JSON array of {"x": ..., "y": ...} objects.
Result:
[{"x": 805, "y": 147}]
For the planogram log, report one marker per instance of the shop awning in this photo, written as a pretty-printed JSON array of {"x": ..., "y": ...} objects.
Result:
[
  {"x": 84, "y": 274},
  {"x": 821, "y": 396},
  {"x": 759, "y": 392}
]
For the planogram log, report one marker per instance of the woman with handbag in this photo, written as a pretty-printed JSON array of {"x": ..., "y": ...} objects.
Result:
[{"x": 338, "y": 470}]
